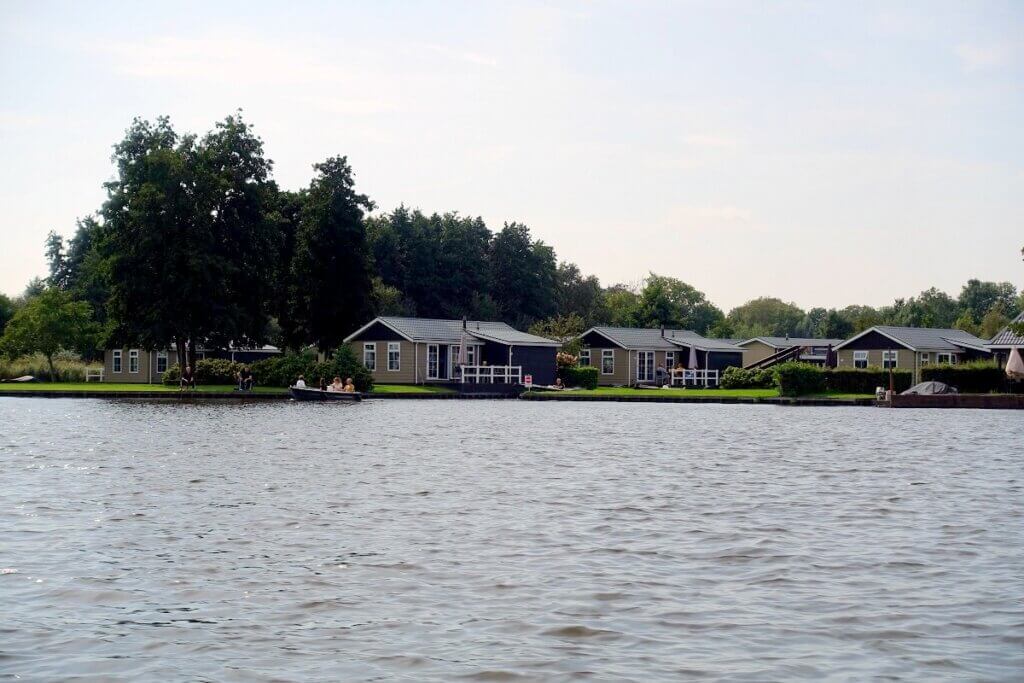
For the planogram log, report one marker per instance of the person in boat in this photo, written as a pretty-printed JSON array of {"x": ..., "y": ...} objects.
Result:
[
  {"x": 300, "y": 383},
  {"x": 188, "y": 379},
  {"x": 336, "y": 385},
  {"x": 350, "y": 387},
  {"x": 558, "y": 384},
  {"x": 323, "y": 384}
]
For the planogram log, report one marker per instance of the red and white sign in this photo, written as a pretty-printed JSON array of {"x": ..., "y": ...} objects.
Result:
[{"x": 528, "y": 380}]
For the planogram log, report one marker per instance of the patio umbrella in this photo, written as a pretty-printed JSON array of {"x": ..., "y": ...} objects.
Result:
[
  {"x": 1015, "y": 365},
  {"x": 692, "y": 364}
]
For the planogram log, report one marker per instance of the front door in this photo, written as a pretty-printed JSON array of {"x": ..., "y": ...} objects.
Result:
[{"x": 645, "y": 366}]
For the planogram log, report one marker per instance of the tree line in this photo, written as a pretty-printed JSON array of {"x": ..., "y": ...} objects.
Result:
[{"x": 197, "y": 245}]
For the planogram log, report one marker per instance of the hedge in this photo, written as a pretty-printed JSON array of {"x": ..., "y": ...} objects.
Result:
[
  {"x": 207, "y": 371},
  {"x": 282, "y": 371},
  {"x": 574, "y": 376},
  {"x": 798, "y": 379},
  {"x": 865, "y": 381},
  {"x": 739, "y": 378},
  {"x": 977, "y": 377}
]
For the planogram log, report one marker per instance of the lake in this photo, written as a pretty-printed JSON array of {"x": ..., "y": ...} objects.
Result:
[{"x": 508, "y": 540}]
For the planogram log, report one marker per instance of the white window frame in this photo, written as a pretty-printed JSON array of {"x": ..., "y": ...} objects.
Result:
[
  {"x": 949, "y": 356},
  {"x": 926, "y": 358},
  {"x": 435, "y": 351},
  {"x": 642, "y": 358},
  {"x": 133, "y": 360},
  {"x": 115, "y": 361},
  {"x": 396, "y": 349},
  {"x": 890, "y": 359},
  {"x": 161, "y": 356},
  {"x": 860, "y": 357},
  {"x": 370, "y": 356},
  {"x": 607, "y": 355},
  {"x": 584, "y": 359},
  {"x": 670, "y": 360}
]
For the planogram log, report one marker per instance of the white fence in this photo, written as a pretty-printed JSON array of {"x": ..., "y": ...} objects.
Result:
[
  {"x": 695, "y": 378},
  {"x": 490, "y": 374}
]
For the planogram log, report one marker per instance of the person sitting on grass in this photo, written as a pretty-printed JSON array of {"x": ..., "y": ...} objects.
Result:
[
  {"x": 245, "y": 379},
  {"x": 300, "y": 383},
  {"x": 187, "y": 379},
  {"x": 336, "y": 385},
  {"x": 350, "y": 387}
]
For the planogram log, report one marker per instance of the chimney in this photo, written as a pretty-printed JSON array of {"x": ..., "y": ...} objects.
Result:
[
  {"x": 662, "y": 331},
  {"x": 463, "y": 322}
]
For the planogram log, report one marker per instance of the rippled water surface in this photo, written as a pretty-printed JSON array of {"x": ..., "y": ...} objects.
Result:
[{"x": 494, "y": 541}]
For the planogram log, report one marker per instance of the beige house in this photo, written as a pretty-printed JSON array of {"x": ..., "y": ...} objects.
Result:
[
  {"x": 137, "y": 366},
  {"x": 627, "y": 356},
  {"x": 911, "y": 348},
  {"x": 400, "y": 350},
  {"x": 806, "y": 350}
]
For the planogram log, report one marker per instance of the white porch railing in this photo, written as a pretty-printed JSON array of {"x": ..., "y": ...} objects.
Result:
[
  {"x": 694, "y": 378},
  {"x": 490, "y": 374}
]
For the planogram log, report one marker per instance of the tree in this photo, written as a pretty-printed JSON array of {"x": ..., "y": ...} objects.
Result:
[
  {"x": 977, "y": 298},
  {"x": 966, "y": 323},
  {"x": 562, "y": 328},
  {"x": 34, "y": 288},
  {"x": 861, "y": 317},
  {"x": 191, "y": 246},
  {"x": 992, "y": 322},
  {"x": 48, "y": 323},
  {"x": 524, "y": 274},
  {"x": 621, "y": 304},
  {"x": 670, "y": 302},
  {"x": 7, "y": 310},
  {"x": 332, "y": 291},
  {"x": 766, "y": 316},
  {"x": 579, "y": 295}
]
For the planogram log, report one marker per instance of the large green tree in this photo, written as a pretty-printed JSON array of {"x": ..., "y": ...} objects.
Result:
[
  {"x": 332, "y": 290},
  {"x": 977, "y": 298},
  {"x": 766, "y": 316},
  {"x": 670, "y": 302},
  {"x": 48, "y": 323},
  {"x": 524, "y": 276},
  {"x": 6, "y": 311}
]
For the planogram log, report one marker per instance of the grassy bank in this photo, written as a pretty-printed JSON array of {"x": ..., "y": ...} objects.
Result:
[{"x": 115, "y": 388}]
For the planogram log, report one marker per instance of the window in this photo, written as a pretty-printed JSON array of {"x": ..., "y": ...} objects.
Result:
[
  {"x": 370, "y": 356},
  {"x": 115, "y": 363},
  {"x": 161, "y": 362},
  {"x": 395, "y": 356},
  {"x": 670, "y": 360},
  {"x": 584, "y": 357},
  {"x": 860, "y": 359},
  {"x": 926, "y": 358},
  {"x": 645, "y": 366},
  {"x": 608, "y": 362},
  {"x": 433, "y": 365},
  {"x": 133, "y": 360},
  {"x": 945, "y": 358},
  {"x": 890, "y": 359},
  {"x": 471, "y": 354}
]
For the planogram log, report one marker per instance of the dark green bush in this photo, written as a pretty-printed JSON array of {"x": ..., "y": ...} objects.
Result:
[
  {"x": 739, "y": 378},
  {"x": 976, "y": 377},
  {"x": 799, "y": 379},
  {"x": 208, "y": 371},
  {"x": 864, "y": 381},
  {"x": 575, "y": 376},
  {"x": 282, "y": 371}
]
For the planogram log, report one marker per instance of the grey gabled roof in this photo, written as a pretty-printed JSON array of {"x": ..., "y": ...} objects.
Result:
[
  {"x": 1006, "y": 338},
  {"x": 639, "y": 338},
  {"x": 925, "y": 338},
  {"x": 786, "y": 342},
  {"x": 450, "y": 331}
]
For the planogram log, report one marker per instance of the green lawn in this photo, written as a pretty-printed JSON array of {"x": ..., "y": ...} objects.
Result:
[
  {"x": 409, "y": 389},
  {"x": 123, "y": 388},
  {"x": 676, "y": 391}
]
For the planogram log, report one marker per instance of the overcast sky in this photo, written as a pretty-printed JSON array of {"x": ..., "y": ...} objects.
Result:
[{"x": 824, "y": 153}]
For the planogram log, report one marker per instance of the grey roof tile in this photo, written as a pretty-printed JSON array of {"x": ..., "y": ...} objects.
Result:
[
  {"x": 930, "y": 338},
  {"x": 1006, "y": 337},
  {"x": 648, "y": 338},
  {"x": 450, "y": 331},
  {"x": 786, "y": 342}
]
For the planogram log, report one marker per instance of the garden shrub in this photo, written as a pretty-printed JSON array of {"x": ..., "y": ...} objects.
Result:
[
  {"x": 207, "y": 371},
  {"x": 582, "y": 377},
  {"x": 865, "y": 380},
  {"x": 976, "y": 377},
  {"x": 740, "y": 378},
  {"x": 799, "y": 379},
  {"x": 283, "y": 370}
]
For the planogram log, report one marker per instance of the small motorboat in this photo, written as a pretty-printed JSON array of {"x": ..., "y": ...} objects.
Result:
[{"x": 309, "y": 394}]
